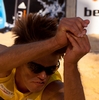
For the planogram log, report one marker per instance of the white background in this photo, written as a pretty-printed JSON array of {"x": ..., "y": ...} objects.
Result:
[{"x": 93, "y": 27}]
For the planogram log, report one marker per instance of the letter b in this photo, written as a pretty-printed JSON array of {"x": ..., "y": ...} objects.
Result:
[{"x": 87, "y": 12}]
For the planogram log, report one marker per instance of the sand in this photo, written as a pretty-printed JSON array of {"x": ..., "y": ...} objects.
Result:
[{"x": 88, "y": 65}]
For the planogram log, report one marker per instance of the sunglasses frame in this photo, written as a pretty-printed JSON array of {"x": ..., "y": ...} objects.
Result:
[{"x": 37, "y": 68}]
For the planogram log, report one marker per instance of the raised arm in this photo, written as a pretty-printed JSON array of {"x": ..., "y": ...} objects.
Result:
[
  {"x": 77, "y": 48},
  {"x": 16, "y": 55}
]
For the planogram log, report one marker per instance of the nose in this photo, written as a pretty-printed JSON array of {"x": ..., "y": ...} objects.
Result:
[{"x": 42, "y": 75}]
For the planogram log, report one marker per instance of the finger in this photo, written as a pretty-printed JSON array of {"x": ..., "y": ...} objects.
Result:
[
  {"x": 72, "y": 40},
  {"x": 73, "y": 25},
  {"x": 86, "y": 43},
  {"x": 83, "y": 43},
  {"x": 79, "y": 41},
  {"x": 81, "y": 25},
  {"x": 74, "y": 28},
  {"x": 86, "y": 22},
  {"x": 83, "y": 33}
]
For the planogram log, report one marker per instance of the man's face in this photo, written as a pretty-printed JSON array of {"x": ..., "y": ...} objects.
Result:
[{"x": 34, "y": 79}]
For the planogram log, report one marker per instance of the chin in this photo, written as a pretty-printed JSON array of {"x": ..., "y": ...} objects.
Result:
[{"x": 35, "y": 89}]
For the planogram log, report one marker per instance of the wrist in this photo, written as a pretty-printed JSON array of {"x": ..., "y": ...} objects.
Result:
[
  {"x": 70, "y": 66},
  {"x": 55, "y": 43},
  {"x": 60, "y": 40},
  {"x": 71, "y": 69}
]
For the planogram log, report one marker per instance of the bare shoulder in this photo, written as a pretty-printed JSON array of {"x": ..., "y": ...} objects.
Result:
[{"x": 54, "y": 91}]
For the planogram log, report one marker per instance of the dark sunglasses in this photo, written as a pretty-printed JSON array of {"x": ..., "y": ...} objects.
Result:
[{"x": 37, "y": 68}]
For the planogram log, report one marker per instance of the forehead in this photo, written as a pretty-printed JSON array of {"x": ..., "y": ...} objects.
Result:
[{"x": 48, "y": 60}]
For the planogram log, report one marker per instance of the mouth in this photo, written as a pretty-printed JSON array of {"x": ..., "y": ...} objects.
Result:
[
  {"x": 38, "y": 82},
  {"x": 42, "y": 83}
]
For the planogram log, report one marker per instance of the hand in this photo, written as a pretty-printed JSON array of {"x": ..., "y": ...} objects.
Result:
[
  {"x": 73, "y": 25},
  {"x": 76, "y": 48}
]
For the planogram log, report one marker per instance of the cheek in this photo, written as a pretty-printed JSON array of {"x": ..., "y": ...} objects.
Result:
[
  {"x": 27, "y": 75},
  {"x": 28, "y": 81}
]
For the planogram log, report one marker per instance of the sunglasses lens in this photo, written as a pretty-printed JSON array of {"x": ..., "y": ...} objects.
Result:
[
  {"x": 51, "y": 70},
  {"x": 36, "y": 68}
]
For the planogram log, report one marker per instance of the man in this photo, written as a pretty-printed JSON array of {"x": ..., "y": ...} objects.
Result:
[{"x": 28, "y": 69}]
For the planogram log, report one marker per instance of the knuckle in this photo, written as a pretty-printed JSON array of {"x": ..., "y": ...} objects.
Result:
[
  {"x": 73, "y": 30},
  {"x": 63, "y": 19},
  {"x": 88, "y": 49},
  {"x": 79, "y": 18},
  {"x": 82, "y": 51},
  {"x": 78, "y": 50}
]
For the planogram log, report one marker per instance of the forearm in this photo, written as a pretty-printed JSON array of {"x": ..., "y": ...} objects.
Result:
[
  {"x": 73, "y": 89},
  {"x": 19, "y": 54}
]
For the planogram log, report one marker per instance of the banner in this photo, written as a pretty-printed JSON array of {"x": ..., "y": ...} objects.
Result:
[
  {"x": 12, "y": 9},
  {"x": 89, "y": 9}
]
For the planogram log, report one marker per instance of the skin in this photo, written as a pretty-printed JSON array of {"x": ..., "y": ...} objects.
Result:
[
  {"x": 76, "y": 50},
  {"x": 27, "y": 81},
  {"x": 73, "y": 89},
  {"x": 9, "y": 58},
  {"x": 78, "y": 46}
]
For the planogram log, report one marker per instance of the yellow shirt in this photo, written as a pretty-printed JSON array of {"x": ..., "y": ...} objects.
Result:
[{"x": 8, "y": 90}]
